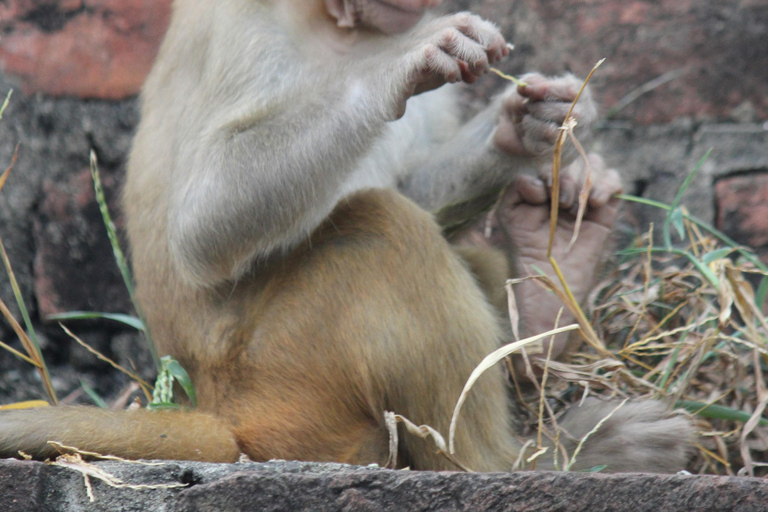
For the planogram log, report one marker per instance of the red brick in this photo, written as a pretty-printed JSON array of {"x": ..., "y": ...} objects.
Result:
[
  {"x": 105, "y": 49},
  {"x": 98, "y": 49},
  {"x": 742, "y": 209}
]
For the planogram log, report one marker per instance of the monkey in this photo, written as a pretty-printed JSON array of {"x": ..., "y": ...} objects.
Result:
[{"x": 287, "y": 194}]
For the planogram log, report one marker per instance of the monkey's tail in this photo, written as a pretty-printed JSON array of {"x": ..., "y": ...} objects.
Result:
[
  {"x": 643, "y": 437},
  {"x": 130, "y": 434}
]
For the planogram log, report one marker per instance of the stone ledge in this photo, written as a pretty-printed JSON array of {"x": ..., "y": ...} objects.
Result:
[{"x": 293, "y": 486}]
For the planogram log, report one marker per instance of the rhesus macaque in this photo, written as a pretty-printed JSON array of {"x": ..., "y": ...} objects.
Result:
[{"x": 279, "y": 205}]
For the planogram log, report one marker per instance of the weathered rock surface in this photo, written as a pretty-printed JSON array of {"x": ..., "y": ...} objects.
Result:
[
  {"x": 292, "y": 486},
  {"x": 742, "y": 202},
  {"x": 715, "y": 48}
]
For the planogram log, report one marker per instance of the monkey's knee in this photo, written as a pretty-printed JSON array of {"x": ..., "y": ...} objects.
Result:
[{"x": 490, "y": 268}]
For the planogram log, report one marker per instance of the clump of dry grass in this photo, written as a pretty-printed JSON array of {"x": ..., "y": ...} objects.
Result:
[
  {"x": 682, "y": 324},
  {"x": 675, "y": 322}
]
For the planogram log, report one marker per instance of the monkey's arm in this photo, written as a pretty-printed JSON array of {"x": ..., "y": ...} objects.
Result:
[
  {"x": 254, "y": 188},
  {"x": 258, "y": 178},
  {"x": 515, "y": 133},
  {"x": 464, "y": 176}
]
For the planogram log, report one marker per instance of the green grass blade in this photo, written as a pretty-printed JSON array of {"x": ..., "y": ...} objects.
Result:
[
  {"x": 704, "y": 270},
  {"x": 701, "y": 267},
  {"x": 93, "y": 395},
  {"x": 122, "y": 262},
  {"x": 163, "y": 406},
  {"x": 676, "y": 220},
  {"x": 643, "y": 200},
  {"x": 182, "y": 377},
  {"x": 717, "y": 254},
  {"x": 761, "y": 293},
  {"x": 717, "y": 412},
  {"x": 676, "y": 202},
  {"x": 743, "y": 251},
  {"x": 595, "y": 469},
  {"x": 128, "y": 320}
]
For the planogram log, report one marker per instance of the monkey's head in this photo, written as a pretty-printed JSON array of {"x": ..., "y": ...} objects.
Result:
[{"x": 387, "y": 16}]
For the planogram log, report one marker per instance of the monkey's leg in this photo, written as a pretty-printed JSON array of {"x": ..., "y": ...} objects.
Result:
[
  {"x": 524, "y": 219},
  {"x": 377, "y": 315},
  {"x": 520, "y": 229},
  {"x": 639, "y": 436},
  {"x": 134, "y": 434}
]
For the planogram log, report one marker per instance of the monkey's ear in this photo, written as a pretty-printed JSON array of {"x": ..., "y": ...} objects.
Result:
[{"x": 343, "y": 11}]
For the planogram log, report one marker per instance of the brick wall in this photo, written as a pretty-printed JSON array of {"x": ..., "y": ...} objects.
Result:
[{"x": 76, "y": 67}]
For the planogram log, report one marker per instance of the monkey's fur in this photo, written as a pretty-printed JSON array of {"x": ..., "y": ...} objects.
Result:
[{"x": 283, "y": 251}]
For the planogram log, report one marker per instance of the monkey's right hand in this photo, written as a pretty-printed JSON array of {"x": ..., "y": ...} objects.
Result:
[{"x": 454, "y": 48}]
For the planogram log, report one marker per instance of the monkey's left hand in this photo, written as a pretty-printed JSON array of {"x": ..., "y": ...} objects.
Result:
[{"x": 531, "y": 115}]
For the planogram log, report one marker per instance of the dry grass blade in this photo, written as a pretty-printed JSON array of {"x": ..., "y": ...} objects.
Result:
[
  {"x": 75, "y": 462},
  {"x": 145, "y": 386},
  {"x": 505, "y": 76},
  {"x": 542, "y": 394},
  {"x": 646, "y": 88},
  {"x": 12, "y": 350},
  {"x": 585, "y": 190},
  {"x": 27, "y": 338},
  {"x": 514, "y": 312},
  {"x": 390, "y": 422},
  {"x": 4, "y": 176},
  {"x": 573, "y": 305},
  {"x": 751, "y": 424},
  {"x": 744, "y": 297},
  {"x": 30, "y": 404},
  {"x": 5, "y": 103},
  {"x": 589, "y": 434},
  {"x": 646, "y": 283},
  {"x": 486, "y": 363},
  {"x": 696, "y": 340},
  {"x": 566, "y": 296},
  {"x": 72, "y": 450},
  {"x": 425, "y": 432},
  {"x": 557, "y": 159}
]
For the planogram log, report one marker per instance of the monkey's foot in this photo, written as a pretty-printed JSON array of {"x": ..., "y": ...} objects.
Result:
[{"x": 524, "y": 217}]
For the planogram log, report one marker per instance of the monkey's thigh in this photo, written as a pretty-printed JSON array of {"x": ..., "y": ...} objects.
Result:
[{"x": 375, "y": 313}]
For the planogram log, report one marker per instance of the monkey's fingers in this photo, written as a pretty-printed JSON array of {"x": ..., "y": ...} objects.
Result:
[
  {"x": 485, "y": 33},
  {"x": 540, "y": 88},
  {"x": 470, "y": 39},
  {"x": 466, "y": 74},
  {"x": 605, "y": 183},
  {"x": 603, "y": 205},
  {"x": 530, "y": 190},
  {"x": 555, "y": 111}
]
